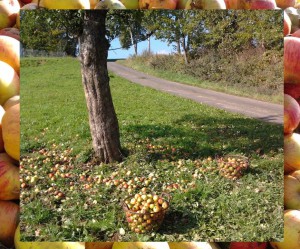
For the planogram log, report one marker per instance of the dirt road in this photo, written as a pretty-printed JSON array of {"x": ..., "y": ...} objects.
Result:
[{"x": 252, "y": 108}]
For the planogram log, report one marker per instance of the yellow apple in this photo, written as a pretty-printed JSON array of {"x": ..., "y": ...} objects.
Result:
[
  {"x": 131, "y": 4},
  {"x": 2, "y": 111},
  {"x": 140, "y": 245},
  {"x": 67, "y": 4},
  {"x": 292, "y": 190},
  {"x": 99, "y": 245},
  {"x": 11, "y": 131},
  {"x": 8, "y": 13},
  {"x": 193, "y": 245},
  {"x": 285, "y": 3},
  {"x": 45, "y": 245},
  {"x": 291, "y": 152},
  {"x": 11, "y": 101},
  {"x": 10, "y": 52},
  {"x": 9, "y": 82},
  {"x": 291, "y": 231},
  {"x": 205, "y": 4}
]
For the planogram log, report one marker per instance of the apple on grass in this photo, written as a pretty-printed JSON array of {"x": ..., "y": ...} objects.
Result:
[
  {"x": 291, "y": 114},
  {"x": 292, "y": 190},
  {"x": 291, "y": 231}
]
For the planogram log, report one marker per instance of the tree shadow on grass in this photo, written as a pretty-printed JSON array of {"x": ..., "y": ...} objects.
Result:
[
  {"x": 194, "y": 137},
  {"x": 178, "y": 222}
]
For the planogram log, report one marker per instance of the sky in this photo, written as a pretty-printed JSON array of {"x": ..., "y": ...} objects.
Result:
[{"x": 157, "y": 46}]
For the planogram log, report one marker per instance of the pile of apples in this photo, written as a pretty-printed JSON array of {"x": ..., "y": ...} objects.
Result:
[
  {"x": 9, "y": 121},
  {"x": 145, "y": 212},
  {"x": 232, "y": 167},
  {"x": 291, "y": 130},
  {"x": 159, "y": 4}
]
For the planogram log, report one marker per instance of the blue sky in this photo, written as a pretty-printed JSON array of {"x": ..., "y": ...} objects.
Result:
[{"x": 156, "y": 47}]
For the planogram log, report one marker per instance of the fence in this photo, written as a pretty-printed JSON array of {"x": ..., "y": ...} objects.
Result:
[{"x": 41, "y": 53}]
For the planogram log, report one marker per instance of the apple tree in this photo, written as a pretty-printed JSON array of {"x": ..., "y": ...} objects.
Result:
[{"x": 102, "y": 117}]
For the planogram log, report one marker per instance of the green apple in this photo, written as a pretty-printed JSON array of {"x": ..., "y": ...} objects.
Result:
[{"x": 130, "y": 4}]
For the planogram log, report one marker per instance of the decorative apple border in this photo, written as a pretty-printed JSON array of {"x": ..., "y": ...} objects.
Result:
[{"x": 10, "y": 111}]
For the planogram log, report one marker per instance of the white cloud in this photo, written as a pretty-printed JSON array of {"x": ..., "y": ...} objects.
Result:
[{"x": 162, "y": 52}]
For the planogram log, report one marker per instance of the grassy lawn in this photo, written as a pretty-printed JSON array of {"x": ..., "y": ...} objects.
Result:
[{"x": 171, "y": 145}]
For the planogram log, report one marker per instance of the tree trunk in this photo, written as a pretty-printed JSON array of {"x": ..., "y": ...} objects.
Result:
[
  {"x": 185, "y": 51},
  {"x": 102, "y": 117},
  {"x": 178, "y": 47},
  {"x": 149, "y": 44}
]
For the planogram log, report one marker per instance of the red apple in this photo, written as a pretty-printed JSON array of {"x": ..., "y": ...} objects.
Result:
[
  {"x": 26, "y": 1},
  {"x": 287, "y": 24},
  {"x": 9, "y": 218},
  {"x": 251, "y": 4},
  {"x": 292, "y": 190},
  {"x": 9, "y": 180},
  {"x": 158, "y": 4},
  {"x": 8, "y": 13},
  {"x": 291, "y": 114},
  {"x": 296, "y": 33},
  {"x": 285, "y": 3},
  {"x": 292, "y": 90},
  {"x": 291, "y": 231},
  {"x": 248, "y": 245},
  {"x": 291, "y": 152},
  {"x": 12, "y": 32},
  {"x": 291, "y": 60},
  {"x": 205, "y": 4}
]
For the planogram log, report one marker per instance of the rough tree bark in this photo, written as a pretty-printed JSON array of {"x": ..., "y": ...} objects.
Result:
[{"x": 102, "y": 117}]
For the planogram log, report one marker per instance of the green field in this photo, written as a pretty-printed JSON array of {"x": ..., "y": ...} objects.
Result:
[{"x": 171, "y": 145}]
